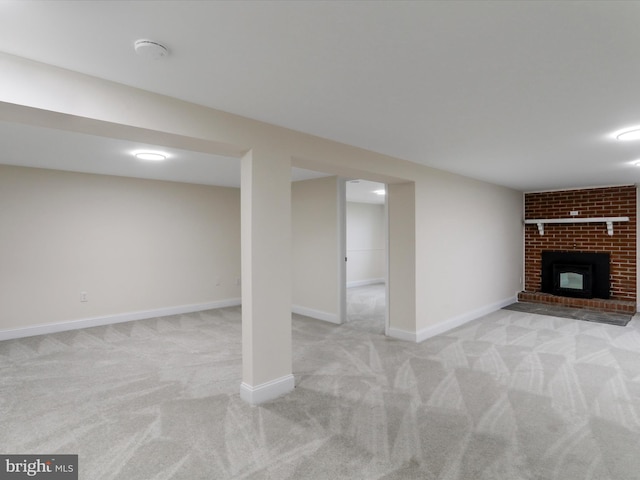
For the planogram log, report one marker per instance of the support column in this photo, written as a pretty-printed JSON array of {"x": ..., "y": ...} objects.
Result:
[{"x": 266, "y": 277}]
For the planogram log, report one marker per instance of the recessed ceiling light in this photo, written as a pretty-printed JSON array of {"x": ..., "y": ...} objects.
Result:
[
  {"x": 631, "y": 133},
  {"x": 379, "y": 192},
  {"x": 151, "y": 156}
]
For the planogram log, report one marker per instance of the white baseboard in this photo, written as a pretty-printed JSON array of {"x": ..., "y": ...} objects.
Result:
[
  {"x": 450, "y": 324},
  {"x": 117, "y": 318},
  {"x": 460, "y": 320},
  {"x": 317, "y": 314},
  {"x": 267, "y": 391},
  {"x": 362, "y": 283},
  {"x": 402, "y": 335}
]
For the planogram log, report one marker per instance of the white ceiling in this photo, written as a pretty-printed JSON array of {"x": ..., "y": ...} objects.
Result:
[
  {"x": 523, "y": 94},
  {"x": 63, "y": 150},
  {"x": 364, "y": 191},
  {"x": 39, "y": 147}
]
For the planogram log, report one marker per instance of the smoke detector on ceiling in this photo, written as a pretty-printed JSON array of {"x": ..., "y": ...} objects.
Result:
[{"x": 150, "y": 49}]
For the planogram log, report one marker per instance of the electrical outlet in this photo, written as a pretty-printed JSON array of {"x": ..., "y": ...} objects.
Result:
[
  {"x": 83, "y": 297},
  {"x": 574, "y": 213}
]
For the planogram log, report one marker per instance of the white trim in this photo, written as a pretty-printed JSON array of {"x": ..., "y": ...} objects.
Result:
[
  {"x": 267, "y": 391},
  {"x": 387, "y": 264},
  {"x": 117, "y": 318},
  {"x": 362, "y": 283},
  {"x": 446, "y": 325},
  {"x": 401, "y": 335},
  {"x": 317, "y": 314},
  {"x": 460, "y": 320},
  {"x": 341, "y": 193}
]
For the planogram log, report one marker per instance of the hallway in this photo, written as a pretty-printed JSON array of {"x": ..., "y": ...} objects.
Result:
[{"x": 366, "y": 308}]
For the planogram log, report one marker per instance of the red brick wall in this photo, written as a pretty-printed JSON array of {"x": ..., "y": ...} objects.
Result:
[{"x": 584, "y": 237}]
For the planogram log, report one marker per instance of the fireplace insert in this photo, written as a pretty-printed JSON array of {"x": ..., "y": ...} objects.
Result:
[
  {"x": 573, "y": 280},
  {"x": 576, "y": 274}
]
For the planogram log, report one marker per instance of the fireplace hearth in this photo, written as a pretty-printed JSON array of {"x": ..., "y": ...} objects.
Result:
[{"x": 576, "y": 274}]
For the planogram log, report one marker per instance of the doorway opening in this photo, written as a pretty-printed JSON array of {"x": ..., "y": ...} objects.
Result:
[{"x": 366, "y": 256}]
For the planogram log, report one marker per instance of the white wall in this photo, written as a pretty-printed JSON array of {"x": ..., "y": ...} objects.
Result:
[
  {"x": 315, "y": 248},
  {"x": 365, "y": 243},
  {"x": 469, "y": 252},
  {"x": 132, "y": 245},
  {"x": 402, "y": 301},
  {"x": 460, "y": 224}
]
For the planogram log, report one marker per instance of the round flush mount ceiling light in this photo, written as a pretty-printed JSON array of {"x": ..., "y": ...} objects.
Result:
[
  {"x": 632, "y": 133},
  {"x": 150, "y": 156},
  {"x": 150, "y": 49}
]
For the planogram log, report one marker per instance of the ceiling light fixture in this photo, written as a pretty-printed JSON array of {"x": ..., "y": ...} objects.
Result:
[
  {"x": 379, "y": 192},
  {"x": 151, "y": 156},
  {"x": 628, "y": 134}
]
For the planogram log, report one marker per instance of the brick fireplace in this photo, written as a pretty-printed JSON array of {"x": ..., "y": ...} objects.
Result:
[{"x": 574, "y": 237}]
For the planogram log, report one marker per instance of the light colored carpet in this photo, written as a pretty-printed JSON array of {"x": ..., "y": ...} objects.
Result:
[
  {"x": 509, "y": 396},
  {"x": 366, "y": 308}
]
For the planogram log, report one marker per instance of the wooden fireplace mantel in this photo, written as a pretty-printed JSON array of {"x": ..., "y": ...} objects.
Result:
[{"x": 540, "y": 222}]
